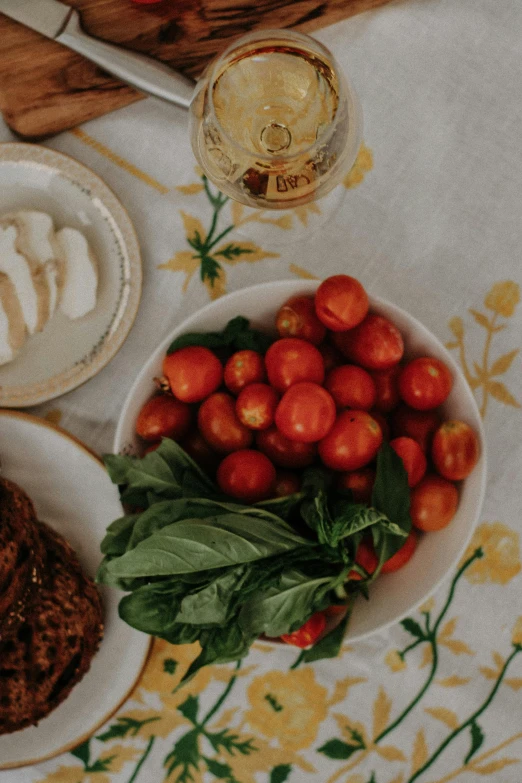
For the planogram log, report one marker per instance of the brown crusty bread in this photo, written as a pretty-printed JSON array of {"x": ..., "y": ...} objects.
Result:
[
  {"x": 55, "y": 644},
  {"x": 22, "y": 557}
]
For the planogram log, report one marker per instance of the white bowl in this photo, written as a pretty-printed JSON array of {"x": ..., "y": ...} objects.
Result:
[{"x": 392, "y": 596}]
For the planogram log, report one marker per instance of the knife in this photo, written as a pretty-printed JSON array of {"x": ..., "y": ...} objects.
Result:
[{"x": 62, "y": 23}]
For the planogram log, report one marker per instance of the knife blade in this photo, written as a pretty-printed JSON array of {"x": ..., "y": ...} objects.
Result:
[{"x": 62, "y": 23}]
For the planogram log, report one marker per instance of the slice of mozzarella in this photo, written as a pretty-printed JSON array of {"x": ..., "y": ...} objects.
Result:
[
  {"x": 36, "y": 241},
  {"x": 80, "y": 274},
  {"x": 12, "y": 327},
  {"x": 18, "y": 270}
]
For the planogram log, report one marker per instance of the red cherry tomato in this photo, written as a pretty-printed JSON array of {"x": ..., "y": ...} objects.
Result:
[
  {"x": 365, "y": 557},
  {"x": 331, "y": 356},
  {"x": 425, "y": 383},
  {"x": 243, "y": 368},
  {"x": 382, "y": 421},
  {"x": 297, "y": 318},
  {"x": 341, "y": 302},
  {"x": 193, "y": 373},
  {"x": 308, "y": 633},
  {"x": 306, "y": 413},
  {"x": 151, "y": 447},
  {"x": 455, "y": 450},
  {"x": 286, "y": 483},
  {"x": 283, "y": 452},
  {"x": 219, "y": 425},
  {"x": 375, "y": 344},
  {"x": 353, "y": 441},
  {"x": 197, "y": 447},
  {"x": 401, "y": 557},
  {"x": 419, "y": 425},
  {"x": 291, "y": 360},
  {"x": 387, "y": 389},
  {"x": 247, "y": 475},
  {"x": 412, "y": 457},
  {"x": 360, "y": 483},
  {"x": 256, "y": 406},
  {"x": 433, "y": 503},
  {"x": 351, "y": 387},
  {"x": 163, "y": 417}
]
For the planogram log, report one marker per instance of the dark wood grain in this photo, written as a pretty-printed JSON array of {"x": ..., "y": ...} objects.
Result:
[{"x": 45, "y": 88}]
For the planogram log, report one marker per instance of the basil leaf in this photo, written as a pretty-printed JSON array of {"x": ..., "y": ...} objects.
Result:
[
  {"x": 182, "y": 634},
  {"x": 183, "y": 467},
  {"x": 153, "y": 608},
  {"x": 198, "y": 544},
  {"x": 237, "y": 336},
  {"x": 286, "y": 607},
  {"x": 220, "y": 645},
  {"x": 391, "y": 495},
  {"x": 330, "y": 645},
  {"x": 282, "y": 507},
  {"x": 210, "y": 605},
  {"x": 118, "y": 535}
]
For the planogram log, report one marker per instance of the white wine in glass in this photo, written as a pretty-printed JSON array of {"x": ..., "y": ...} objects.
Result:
[{"x": 274, "y": 122}]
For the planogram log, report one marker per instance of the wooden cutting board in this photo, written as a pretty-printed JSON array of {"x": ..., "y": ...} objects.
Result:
[{"x": 45, "y": 88}]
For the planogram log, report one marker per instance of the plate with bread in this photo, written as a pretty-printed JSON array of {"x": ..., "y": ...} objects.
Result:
[
  {"x": 67, "y": 661},
  {"x": 70, "y": 274}
]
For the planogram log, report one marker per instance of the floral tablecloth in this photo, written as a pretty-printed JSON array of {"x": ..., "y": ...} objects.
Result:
[{"x": 432, "y": 220}]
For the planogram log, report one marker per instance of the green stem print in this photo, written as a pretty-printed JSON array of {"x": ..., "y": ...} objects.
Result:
[
  {"x": 142, "y": 760},
  {"x": 186, "y": 755}
]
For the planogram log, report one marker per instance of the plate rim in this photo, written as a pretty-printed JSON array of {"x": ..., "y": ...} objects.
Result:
[
  {"x": 21, "y": 152},
  {"x": 29, "y": 417}
]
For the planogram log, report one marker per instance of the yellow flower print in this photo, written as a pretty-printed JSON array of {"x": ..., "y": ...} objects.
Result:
[
  {"x": 503, "y": 298},
  {"x": 159, "y": 723},
  {"x": 394, "y": 661},
  {"x": 516, "y": 637},
  {"x": 119, "y": 755},
  {"x": 363, "y": 164},
  {"x": 303, "y": 212},
  {"x": 287, "y": 706},
  {"x": 247, "y": 768},
  {"x": 501, "y": 560},
  {"x": 74, "y": 775}
]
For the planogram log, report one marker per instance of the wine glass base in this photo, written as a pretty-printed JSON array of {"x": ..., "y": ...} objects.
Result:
[{"x": 285, "y": 226}]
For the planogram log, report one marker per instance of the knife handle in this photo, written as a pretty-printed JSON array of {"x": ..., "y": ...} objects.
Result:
[{"x": 144, "y": 73}]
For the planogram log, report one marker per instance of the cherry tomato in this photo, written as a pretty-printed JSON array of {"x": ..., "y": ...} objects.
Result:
[
  {"x": 163, "y": 417},
  {"x": 247, "y": 475},
  {"x": 291, "y": 360},
  {"x": 433, "y": 503},
  {"x": 455, "y": 450},
  {"x": 351, "y": 387},
  {"x": 412, "y": 457},
  {"x": 360, "y": 483},
  {"x": 353, "y": 441},
  {"x": 297, "y": 318},
  {"x": 308, "y": 633},
  {"x": 152, "y": 447},
  {"x": 335, "y": 610},
  {"x": 197, "y": 447},
  {"x": 283, "y": 452},
  {"x": 425, "y": 383},
  {"x": 306, "y": 413},
  {"x": 382, "y": 421},
  {"x": 219, "y": 425},
  {"x": 401, "y": 557},
  {"x": 375, "y": 344},
  {"x": 365, "y": 557},
  {"x": 256, "y": 406},
  {"x": 243, "y": 368},
  {"x": 331, "y": 356},
  {"x": 286, "y": 483},
  {"x": 193, "y": 373},
  {"x": 341, "y": 302},
  {"x": 419, "y": 425},
  {"x": 387, "y": 389}
]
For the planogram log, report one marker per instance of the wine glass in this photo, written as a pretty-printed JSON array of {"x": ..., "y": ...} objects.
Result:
[{"x": 274, "y": 123}]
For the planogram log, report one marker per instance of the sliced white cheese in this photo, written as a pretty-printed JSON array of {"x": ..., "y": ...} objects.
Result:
[
  {"x": 80, "y": 274},
  {"x": 37, "y": 242},
  {"x": 18, "y": 270},
  {"x": 12, "y": 326}
]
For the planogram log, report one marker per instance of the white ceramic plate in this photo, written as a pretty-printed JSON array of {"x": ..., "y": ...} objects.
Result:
[
  {"x": 67, "y": 353},
  {"x": 73, "y": 493},
  {"x": 393, "y": 596}
]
